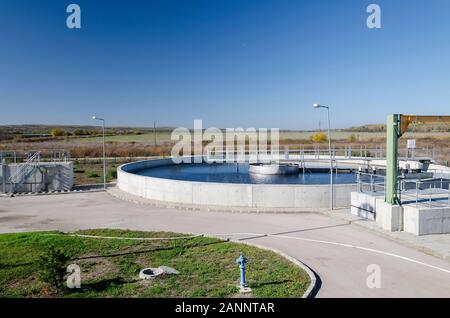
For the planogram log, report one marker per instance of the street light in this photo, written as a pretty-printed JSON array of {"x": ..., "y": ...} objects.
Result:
[
  {"x": 329, "y": 149},
  {"x": 104, "y": 157}
]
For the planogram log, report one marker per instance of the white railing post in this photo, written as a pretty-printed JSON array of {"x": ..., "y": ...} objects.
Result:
[
  {"x": 417, "y": 193},
  {"x": 430, "y": 195}
]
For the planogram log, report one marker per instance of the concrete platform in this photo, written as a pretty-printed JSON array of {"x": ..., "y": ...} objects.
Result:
[
  {"x": 416, "y": 218},
  {"x": 424, "y": 221}
]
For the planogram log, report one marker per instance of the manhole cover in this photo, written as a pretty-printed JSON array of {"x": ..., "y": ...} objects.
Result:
[{"x": 150, "y": 273}]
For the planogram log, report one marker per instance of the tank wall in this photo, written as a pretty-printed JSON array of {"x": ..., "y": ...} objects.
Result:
[{"x": 227, "y": 194}]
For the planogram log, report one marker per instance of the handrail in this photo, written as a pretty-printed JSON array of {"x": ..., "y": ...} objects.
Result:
[
  {"x": 24, "y": 170},
  {"x": 429, "y": 192}
]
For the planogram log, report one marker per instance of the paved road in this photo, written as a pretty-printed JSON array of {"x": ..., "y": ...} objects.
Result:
[{"x": 338, "y": 252}]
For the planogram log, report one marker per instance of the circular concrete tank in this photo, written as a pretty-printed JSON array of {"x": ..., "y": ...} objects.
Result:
[{"x": 224, "y": 194}]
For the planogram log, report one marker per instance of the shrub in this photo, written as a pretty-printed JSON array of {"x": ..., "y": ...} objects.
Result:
[
  {"x": 319, "y": 137},
  {"x": 17, "y": 138},
  {"x": 52, "y": 267},
  {"x": 80, "y": 132},
  {"x": 112, "y": 174},
  {"x": 56, "y": 132},
  {"x": 352, "y": 138},
  {"x": 93, "y": 175}
]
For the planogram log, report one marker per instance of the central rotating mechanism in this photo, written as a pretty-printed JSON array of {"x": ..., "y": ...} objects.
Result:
[{"x": 273, "y": 169}]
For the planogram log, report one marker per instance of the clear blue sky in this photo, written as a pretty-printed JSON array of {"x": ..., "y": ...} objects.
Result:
[{"x": 249, "y": 63}]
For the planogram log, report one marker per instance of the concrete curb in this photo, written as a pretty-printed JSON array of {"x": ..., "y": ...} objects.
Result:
[
  {"x": 315, "y": 281},
  {"x": 49, "y": 193},
  {"x": 76, "y": 189},
  {"x": 314, "y": 285},
  {"x": 122, "y": 195},
  {"x": 86, "y": 188}
]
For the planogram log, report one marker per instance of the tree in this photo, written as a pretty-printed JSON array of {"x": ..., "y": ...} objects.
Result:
[
  {"x": 52, "y": 267},
  {"x": 56, "y": 132},
  {"x": 80, "y": 132}
]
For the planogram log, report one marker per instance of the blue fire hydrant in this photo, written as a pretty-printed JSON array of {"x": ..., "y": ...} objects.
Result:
[{"x": 242, "y": 260}]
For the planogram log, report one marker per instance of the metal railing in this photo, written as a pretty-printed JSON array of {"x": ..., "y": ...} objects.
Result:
[
  {"x": 370, "y": 182},
  {"x": 430, "y": 192},
  {"x": 24, "y": 170},
  {"x": 19, "y": 156},
  {"x": 296, "y": 152}
]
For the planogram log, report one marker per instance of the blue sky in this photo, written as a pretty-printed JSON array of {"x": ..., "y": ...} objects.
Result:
[{"x": 248, "y": 63}]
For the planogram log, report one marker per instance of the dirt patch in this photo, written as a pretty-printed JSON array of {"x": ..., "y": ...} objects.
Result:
[
  {"x": 92, "y": 268},
  {"x": 27, "y": 286},
  {"x": 243, "y": 295}
]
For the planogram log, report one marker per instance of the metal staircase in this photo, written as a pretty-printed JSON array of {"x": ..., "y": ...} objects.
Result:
[{"x": 24, "y": 170}]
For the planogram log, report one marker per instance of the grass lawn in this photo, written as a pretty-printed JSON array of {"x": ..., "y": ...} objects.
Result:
[{"x": 110, "y": 267}]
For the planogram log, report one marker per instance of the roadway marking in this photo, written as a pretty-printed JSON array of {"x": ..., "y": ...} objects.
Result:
[
  {"x": 367, "y": 249},
  {"x": 364, "y": 249}
]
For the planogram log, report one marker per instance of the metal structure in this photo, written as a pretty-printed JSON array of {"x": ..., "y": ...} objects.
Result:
[
  {"x": 26, "y": 162},
  {"x": 24, "y": 170},
  {"x": 331, "y": 154},
  {"x": 104, "y": 154},
  {"x": 396, "y": 126},
  {"x": 46, "y": 155},
  {"x": 300, "y": 154},
  {"x": 427, "y": 192}
]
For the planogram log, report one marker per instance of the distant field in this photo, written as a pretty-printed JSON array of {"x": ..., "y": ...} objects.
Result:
[
  {"x": 149, "y": 138},
  {"x": 286, "y": 135},
  {"x": 362, "y": 135},
  {"x": 127, "y": 145}
]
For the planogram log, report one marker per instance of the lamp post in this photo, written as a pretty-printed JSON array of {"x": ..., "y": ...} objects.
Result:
[
  {"x": 104, "y": 156},
  {"x": 331, "y": 154}
]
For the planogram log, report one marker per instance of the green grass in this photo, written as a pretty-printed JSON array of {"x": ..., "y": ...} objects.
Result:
[
  {"x": 110, "y": 268},
  {"x": 92, "y": 173}
]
